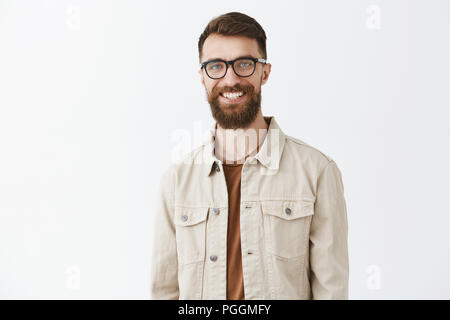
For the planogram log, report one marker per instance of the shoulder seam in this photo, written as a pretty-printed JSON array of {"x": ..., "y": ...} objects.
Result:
[
  {"x": 324, "y": 168},
  {"x": 302, "y": 143},
  {"x": 190, "y": 154}
]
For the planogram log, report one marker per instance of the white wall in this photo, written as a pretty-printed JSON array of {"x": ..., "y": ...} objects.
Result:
[{"x": 91, "y": 93}]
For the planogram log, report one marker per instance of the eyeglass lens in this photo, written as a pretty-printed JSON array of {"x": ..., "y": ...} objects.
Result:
[{"x": 242, "y": 67}]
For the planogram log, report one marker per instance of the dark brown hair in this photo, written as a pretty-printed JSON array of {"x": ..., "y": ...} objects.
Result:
[{"x": 234, "y": 24}]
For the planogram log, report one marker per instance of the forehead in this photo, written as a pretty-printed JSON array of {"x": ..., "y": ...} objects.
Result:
[{"x": 229, "y": 47}]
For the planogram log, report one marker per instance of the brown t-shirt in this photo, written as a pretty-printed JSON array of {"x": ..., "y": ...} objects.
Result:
[{"x": 235, "y": 280}]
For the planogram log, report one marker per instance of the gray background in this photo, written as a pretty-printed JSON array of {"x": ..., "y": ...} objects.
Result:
[{"x": 98, "y": 97}]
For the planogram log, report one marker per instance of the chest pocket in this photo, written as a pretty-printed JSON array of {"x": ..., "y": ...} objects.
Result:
[
  {"x": 286, "y": 225},
  {"x": 190, "y": 225}
]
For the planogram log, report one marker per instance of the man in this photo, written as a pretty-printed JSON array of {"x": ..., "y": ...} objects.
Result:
[{"x": 252, "y": 213}]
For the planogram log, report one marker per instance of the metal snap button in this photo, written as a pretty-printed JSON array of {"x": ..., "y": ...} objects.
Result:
[
  {"x": 288, "y": 210},
  {"x": 213, "y": 258},
  {"x": 216, "y": 210},
  {"x": 184, "y": 217}
]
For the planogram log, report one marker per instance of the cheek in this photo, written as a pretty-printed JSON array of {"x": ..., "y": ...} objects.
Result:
[
  {"x": 209, "y": 87},
  {"x": 210, "y": 84},
  {"x": 256, "y": 83}
]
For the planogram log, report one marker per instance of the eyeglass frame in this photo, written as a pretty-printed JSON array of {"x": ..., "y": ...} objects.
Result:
[{"x": 231, "y": 62}]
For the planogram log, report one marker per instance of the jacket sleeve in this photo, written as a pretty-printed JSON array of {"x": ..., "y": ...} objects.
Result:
[
  {"x": 328, "y": 238},
  {"x": 164, "y": 263}
]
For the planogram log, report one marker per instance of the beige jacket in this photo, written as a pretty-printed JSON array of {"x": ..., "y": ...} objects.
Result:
[{"x": 293, "y": 222}]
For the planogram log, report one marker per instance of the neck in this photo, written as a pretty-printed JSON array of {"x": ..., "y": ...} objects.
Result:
[{"x": 233, "y": 146}]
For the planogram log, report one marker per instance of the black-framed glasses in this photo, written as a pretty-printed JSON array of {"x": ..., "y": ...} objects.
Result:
[{"x": 243, "y": 67}]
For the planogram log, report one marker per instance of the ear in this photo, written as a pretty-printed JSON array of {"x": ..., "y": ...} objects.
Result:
[
  {"x": 266, "y": 72},
  {"x": 200, "y": 72}
]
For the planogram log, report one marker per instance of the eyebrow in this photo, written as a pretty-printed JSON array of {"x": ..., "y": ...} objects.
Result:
[{"x": 244, "y": 56}]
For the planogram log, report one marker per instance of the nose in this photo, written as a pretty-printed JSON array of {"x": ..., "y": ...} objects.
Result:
[{"x": 231, "y": 78}]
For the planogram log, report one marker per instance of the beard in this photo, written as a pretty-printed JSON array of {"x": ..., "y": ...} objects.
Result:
[{"x": 235, "y": 115}]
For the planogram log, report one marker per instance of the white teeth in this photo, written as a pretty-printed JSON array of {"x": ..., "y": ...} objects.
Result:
[{"x": 230, "y": 95}]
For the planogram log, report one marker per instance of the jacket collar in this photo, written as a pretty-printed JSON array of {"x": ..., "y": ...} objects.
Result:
[{"x": 274, "y": 141}]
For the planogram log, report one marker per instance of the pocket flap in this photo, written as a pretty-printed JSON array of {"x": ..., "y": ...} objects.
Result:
[
  {"x": 287, "y": 209},
  {"x": 186, "y": 216}
]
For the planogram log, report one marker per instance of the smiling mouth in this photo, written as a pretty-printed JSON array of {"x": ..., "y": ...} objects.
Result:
[{"x": 234, "y": 97}]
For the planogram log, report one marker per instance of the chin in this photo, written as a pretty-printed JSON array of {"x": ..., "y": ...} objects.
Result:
[{"x": 232, "y": 107}]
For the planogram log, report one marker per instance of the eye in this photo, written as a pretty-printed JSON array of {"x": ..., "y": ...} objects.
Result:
[
  {"x": 215, "y": 66},
  {"x": 245, "y": 64}
]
